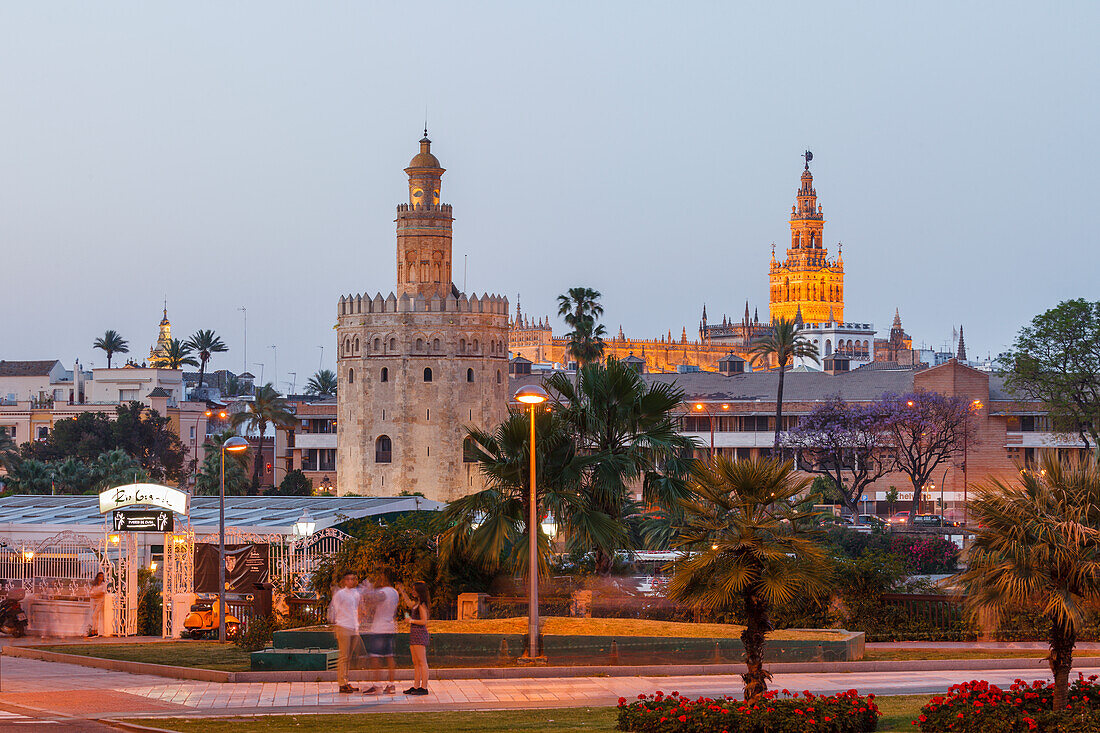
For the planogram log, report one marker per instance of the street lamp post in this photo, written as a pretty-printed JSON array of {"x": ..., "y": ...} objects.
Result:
[
  {"x": 234, "y": 445},
  {"x": 532, "y": 395},
  {"x": 975, "y": 406},
  {"x": 700, "y": 407}
]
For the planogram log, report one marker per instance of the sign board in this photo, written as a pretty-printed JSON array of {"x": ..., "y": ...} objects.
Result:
[
  {"x": 246, "y": 566},
  {"x": 165, "y": 497},
  {"x": 142, "y": 520}
]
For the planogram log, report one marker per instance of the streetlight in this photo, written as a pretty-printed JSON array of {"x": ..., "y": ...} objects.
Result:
[
  {"x": 532, "y": 395},
  {"x": 236, "y": 444},
  {"x": 700, "y": 407},
  {"x": 305, "y": 525},
  {"x": 975, "y": 406}
]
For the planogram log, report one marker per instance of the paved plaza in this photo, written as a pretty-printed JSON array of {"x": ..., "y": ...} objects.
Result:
[{"x": 65, "y": 696}]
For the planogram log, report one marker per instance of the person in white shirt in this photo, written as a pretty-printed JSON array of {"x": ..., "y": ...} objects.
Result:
[
  {"x": 95, "y": 611},
  {"x": 383, "y": 601},
  {"x": 343, "y": 614}
]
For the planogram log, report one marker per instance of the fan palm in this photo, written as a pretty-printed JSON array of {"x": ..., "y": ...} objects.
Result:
[
  {"x": 116, "y": 468},
  {"x": 205, "y": 343},
  {"x": 178, "y": 355},
  {"x": 580, "y": 309},
  {"x": 586, "y": 343},
  {"x": 208, "y": 479},
  {"x": 266, "y": 408},
  {"x": 1037, "y": 545},
  {"x": 491, "y": 526},
  {"x": 627, "y": 433},
  {"x": 782, "y": 344},
  {"x": 747, "y": 546},
  {"x": 322, "y": 384},
  {"x": 31, "y": 476},
  {"x": 112, "y": 343}
]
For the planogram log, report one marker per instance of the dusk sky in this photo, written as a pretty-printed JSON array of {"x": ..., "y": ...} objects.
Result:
[{"x": 223, "y": 155}]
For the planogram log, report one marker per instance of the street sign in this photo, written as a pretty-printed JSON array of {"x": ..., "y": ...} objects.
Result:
[{"x": 142, "y": 520}]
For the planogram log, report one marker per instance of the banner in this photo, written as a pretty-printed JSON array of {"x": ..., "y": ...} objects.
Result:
[
  {"x": 142, "y": 520},
  {"x": 153, "y": 494},
  {"x": 245, "y": 566}
]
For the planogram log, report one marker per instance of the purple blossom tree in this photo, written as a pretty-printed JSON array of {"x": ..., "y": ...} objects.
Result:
[
  {"x": 846, "y": 442},
  {"x": 925, "y": 429}
]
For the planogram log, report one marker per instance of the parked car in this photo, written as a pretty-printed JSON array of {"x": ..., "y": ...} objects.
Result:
[
  {"x": 871, "y": 519},
  {"x": 930, "y": 520},
  {"x": 899, "y": 518}
]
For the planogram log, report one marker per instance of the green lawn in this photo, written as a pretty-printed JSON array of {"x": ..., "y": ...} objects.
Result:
[
  {"x": 203, "y": 654},
  {"x": 894, "y": 655},
  {"x": 898, "y": 713}
]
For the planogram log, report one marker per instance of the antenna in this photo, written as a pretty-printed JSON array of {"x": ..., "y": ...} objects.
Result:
[
  {"x": 464, "y": 272},
  {"x": 321, "y": 360},
  {"x": 244, "y": 340}
]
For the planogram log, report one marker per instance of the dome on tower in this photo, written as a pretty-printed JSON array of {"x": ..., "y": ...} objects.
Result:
[{"x": 425, "y": 159}]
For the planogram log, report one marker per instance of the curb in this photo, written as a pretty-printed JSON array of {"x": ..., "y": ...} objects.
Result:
[{"x": 652, "y": 670}]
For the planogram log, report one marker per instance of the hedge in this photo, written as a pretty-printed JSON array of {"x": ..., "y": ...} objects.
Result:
[{"x": 979, "y": 707}]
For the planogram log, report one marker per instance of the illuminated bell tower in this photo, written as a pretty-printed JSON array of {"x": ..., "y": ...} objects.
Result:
[
  {"x": 158, "y": 355},
  {"x": 806, "y": 280},
  {"x": 424, "y": 230}
]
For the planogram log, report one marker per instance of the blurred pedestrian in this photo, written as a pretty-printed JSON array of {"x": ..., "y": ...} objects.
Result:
[
  {"x": 96, "y": 593},
  {"x": 383, "y": 600},
  {"x": 343, "y": 614},
  {"x": 418, "y": 615}
]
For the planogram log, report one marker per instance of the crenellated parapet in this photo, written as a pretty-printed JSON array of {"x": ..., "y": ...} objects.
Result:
[{"x": 359, "y": 304}]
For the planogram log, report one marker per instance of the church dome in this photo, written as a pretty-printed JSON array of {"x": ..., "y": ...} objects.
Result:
[{"x": 425, "y": 159}]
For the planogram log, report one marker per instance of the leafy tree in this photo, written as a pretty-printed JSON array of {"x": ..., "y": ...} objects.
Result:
[
  {"x": 580, "y": 308},
  {"x": 892, "y": 497},
  {"x": 267, "y": 407},
  {"x": 178, "y": 355},
  {"x": 1037, "y": 545},
  {"x": 205, "y": 343},
  {"x": 845, "y": 442},
  {"x": 295, "y": 483},
  {"x": 322, "y": 384},
  {"x": 626, "y": 431},
  {"x": 782, "y": 344},
  {"x": 490, "y": 526},
  {"x": 208, "y": 480},
  {"x": 925, "y": 429},
  {"x": 83, "y": 437},
  {"x": 9, "y": 453},
  {"x": 116, "y": 468},
  {"x": 1056, "y": 360},
  {"x": 748, "y": 546},
  {"x": 112, "y": 343},
  {"x": 71, "y": 476}
]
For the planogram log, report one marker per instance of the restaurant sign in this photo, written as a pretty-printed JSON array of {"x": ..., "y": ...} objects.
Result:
[{"x": 145, "y": 494}]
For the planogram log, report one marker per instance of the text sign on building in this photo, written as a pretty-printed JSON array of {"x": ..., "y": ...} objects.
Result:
[
  {"x": 142, "y": 520},
  {"x": 153, "y": 494}
]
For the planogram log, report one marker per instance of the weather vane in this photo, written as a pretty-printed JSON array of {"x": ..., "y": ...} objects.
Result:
[{"x": 808, "y": 156}]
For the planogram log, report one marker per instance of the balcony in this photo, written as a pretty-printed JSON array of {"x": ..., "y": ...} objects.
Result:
[{"x": 314, "y": 440}]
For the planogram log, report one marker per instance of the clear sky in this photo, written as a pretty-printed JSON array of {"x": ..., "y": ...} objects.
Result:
[{"x": 251, "y": 153}]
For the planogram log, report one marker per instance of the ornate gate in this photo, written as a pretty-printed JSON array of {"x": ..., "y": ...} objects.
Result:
[
  {"x": 179, "y": 572},
  {"x": 305, "y": 553},
  {"x": 122, "y": 560}
]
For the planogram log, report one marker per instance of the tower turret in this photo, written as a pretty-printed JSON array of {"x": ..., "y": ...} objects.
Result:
[{"x": 424, "y": 230}]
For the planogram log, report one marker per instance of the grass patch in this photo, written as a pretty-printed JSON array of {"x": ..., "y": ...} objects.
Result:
[
  {"x": 898, "y": 711},
  {"x": 201, "y": 654},
  {"x": 904, "y": 655}
]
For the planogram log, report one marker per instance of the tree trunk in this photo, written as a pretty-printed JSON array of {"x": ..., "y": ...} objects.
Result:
[
  {"x": 108, "y": 359},
  {"x": 757, "y": 625},
  {"x": 1062, "y": 641},
  {"x": 779, "y": 407},
  {"x": 256, "y": 467},
  {"x": 202, "y": 371}
]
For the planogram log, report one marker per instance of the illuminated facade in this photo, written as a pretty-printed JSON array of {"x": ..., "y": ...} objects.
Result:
[
  {"x": 807, "y": 282},
  {"x": 158, "y": 355}
]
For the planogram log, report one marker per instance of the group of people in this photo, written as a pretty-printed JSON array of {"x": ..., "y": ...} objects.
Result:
[{"x": 364, "y": 617}]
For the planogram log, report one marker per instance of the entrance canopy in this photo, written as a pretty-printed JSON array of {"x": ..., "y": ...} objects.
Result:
[{"x": 30, "y": 517}]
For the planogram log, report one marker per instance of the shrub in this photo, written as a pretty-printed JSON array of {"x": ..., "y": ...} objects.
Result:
[
  {"x": 258, "y": 633},
  {"x": 979, "y": 707},
  {"x": 776, "y": 712},
  {"x": 150, "y": 605}
]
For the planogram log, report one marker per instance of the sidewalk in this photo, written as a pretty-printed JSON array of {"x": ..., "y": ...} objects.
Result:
[{"x": 97, "y": 694}]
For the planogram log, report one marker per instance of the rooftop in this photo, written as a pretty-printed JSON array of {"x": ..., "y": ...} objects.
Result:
[{"x": 27, "y": 368}]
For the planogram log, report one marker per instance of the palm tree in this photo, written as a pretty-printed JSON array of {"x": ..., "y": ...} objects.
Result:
[
  {"x": 322, "y": 384},
  {"x": 626, "y": 431},
  {"x": 116, "y": 468},
  {"x": 208, "y": 478},
  {"x": 490, "y": 526},
  {"x": 782, "y": 344},
  {"x": 205, "y": 343},
  {"x": 178, "y": 355},
  {"x": 31, "y": 476},
  {"x": 748, "y": 548},
  {"x": 112, "y": 343},
  {"x": 580, "y": 309},
  {"x": 266, "y": 407},
  {"x": 9, "y": 453},
  {"x": 1037, "y": 546}
]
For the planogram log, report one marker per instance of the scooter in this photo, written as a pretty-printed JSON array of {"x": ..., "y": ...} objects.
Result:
[
  {"x": 13, "y": 620},
  {"x": 203, "y": 621}
]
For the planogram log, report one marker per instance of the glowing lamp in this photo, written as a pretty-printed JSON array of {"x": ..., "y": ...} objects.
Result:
[
  {"x": 532, "y": 394},
  {"x": 305, "y": 525}
]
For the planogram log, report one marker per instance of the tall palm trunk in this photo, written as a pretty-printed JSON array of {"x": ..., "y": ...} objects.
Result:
[
  {"x": 253, "y": 490},
  {"x": 109, "y": 354},
  {"x": 757, "y": 625},
  {"x": 202, "y": 370},
  {"x": 1062, "y": 641},
  {"x": 779, "y": 407}
]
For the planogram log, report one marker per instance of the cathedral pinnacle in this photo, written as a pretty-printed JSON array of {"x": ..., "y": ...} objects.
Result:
[
  {"x": 897, "y": 318},
  {"x": 960, "y": 355}
]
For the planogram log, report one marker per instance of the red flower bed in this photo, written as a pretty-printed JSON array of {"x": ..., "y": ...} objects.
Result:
[
  {"x": 979, "y": 707},
  {"x": 777, "y": 712}
]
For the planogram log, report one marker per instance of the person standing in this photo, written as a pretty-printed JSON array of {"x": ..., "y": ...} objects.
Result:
[
  {"x": 343, "y": 614},
  {"x": 418, "y": 635},
  {"x": 96, "y": 593},
  {"x": 384, "y": 600}
]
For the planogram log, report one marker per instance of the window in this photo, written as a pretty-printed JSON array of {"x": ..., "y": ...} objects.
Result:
[
  {"x": 193, "y": 435},
  {"x": 469, "y": 454},
  {"x": 356, "y": 344},
  {"x": 383, "y": 449},
  {"x": 43, "y": 433},
  {"x": 351, "y": 376},
  {"x": 1027, "y": 423},
  {"x": 469, "y": 375},
  {"x": 385, "y": 375},
  {"x": 498, "y": 382},
  {"x": 420, "y": 344},
  {"x": 393, "y": 343},
  {"x": 475, "y": 346},
  {"x": 326, "y": 459},
  {"x": 462, "y": 346},
  {"x": 427, "y": 374},
  {"x": 435, "y": 345}
]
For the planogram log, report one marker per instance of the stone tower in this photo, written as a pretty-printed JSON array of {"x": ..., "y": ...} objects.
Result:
[
  {"x": 807, "y": 280},
  {"x": 419, "y": 366}
]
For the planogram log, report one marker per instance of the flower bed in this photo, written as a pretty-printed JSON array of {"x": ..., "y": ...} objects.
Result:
[
  {"x": 778, "y": 712},
  {"x": 979, "y": 707}
]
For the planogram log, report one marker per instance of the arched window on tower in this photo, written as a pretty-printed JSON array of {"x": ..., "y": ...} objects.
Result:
[
  {"x": 475, "y": 346},
  {"x": 469, "y": 450},
  {"x": 462, "y": 346},
  {"x": 356, "y": 347},
  {"x": 420, "y": 344},
  {"x": 828, "y": 346},
  {"x": 469, "y": 375},
  {"x": 383, "y": 449},
  {"x": 377, "y": 344},
  {"x": 351, "y": 376},
  {"x": 393, "y": 344},
  {"x": 435, "y": 344},
  {"x": 498, "y": 376},
  {"x": 385, "y": 375},
  {"x": 427, "y": 374}
]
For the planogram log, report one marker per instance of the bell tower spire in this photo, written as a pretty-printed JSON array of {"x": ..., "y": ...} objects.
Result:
[{"x": 424, "y": 229}]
